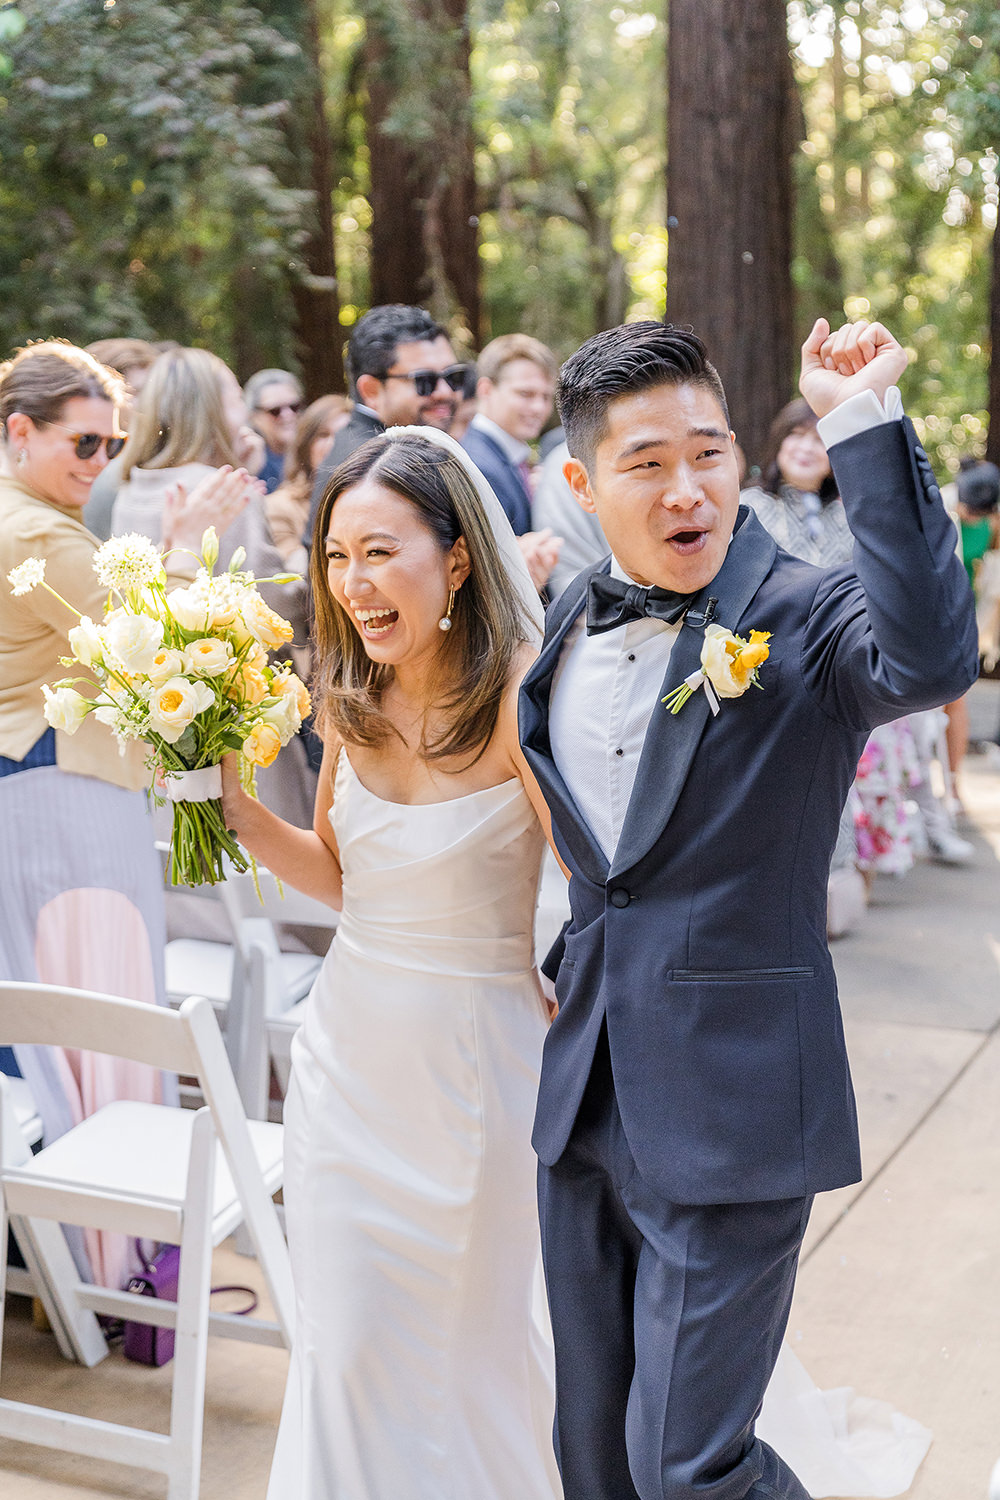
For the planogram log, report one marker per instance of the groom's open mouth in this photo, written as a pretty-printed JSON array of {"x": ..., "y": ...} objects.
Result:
[
  {"x": 688, "y": 541},
  {"x": 376, "y": 623}
]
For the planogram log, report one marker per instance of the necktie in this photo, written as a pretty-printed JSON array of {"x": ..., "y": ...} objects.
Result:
[{"x": 612, "y": 602}]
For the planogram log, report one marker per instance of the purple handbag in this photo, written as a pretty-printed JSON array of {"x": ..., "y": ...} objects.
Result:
[{"x": 143, "y": 1343}]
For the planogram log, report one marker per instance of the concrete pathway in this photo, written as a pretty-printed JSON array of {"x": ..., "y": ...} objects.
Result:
[{"x": 899, "y": 1291}]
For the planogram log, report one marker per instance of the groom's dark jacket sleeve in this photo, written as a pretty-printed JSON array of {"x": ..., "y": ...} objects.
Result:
[{"x": 701, "y": 945}]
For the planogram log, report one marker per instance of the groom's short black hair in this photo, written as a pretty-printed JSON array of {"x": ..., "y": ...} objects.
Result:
[{"x": 620, "y": 362}]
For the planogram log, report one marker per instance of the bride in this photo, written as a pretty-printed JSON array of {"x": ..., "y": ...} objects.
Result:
[{"x": 418, "y": 1369}]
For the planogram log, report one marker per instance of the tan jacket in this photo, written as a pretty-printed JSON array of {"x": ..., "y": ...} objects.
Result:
[{"x": 34, "y": 635}]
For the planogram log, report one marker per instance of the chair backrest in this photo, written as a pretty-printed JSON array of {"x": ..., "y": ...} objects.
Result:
[
  {"x": 278, "y": 903},
  {"x": 185, "y": 1041},
  {"x": 52, "y": 1015}
]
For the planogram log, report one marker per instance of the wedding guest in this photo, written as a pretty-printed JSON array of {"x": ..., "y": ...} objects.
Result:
[
  {"x": 190, "y": 419},
  {"x": 515, "y": 392},
  {"x": 402, "y": 371},
  {"x": 798, "y": 502},
  {"x": 287, "y": 507},
  {"x": 132, "y": 359},
  {"x": 81, "y": 896},
  {"x": 467, "y": 406},
  {"x": 796, "y": 497},
  {"x": 557, "y": 510},
  {"x": 287, "y": 511},
  {"x": 274, "y": 400}
]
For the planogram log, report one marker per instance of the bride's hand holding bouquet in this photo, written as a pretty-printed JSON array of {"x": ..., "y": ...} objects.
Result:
[{"x": 185, "y": 669}]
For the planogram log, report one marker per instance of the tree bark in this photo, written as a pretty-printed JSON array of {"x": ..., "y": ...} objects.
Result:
[
  {"x": 729, "y": 199},
  {"x": 424, "y": 235},
  {"x": 319, "y": 336}
]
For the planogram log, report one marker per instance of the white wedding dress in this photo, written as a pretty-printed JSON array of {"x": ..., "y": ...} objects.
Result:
[{"x": 418, "y": 1369}]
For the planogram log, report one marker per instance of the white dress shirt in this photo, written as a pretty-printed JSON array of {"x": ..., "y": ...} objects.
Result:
[
  {"x": 604, "y": 691},
  {"x": 606, "y": 686},
  {"x": 512, "y": 447}
]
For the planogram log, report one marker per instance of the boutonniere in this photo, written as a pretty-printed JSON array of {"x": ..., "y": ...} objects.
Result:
[{"x": 729, "y": 665}]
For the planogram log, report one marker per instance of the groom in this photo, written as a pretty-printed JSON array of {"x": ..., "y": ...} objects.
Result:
[{"x": 695, "y": 1090}]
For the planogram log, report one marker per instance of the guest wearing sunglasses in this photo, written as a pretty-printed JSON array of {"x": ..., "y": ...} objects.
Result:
[
  {"x": 274, "y": 399},
  {"x": 402, "y": 371},
  {"x": 81, "y": 896}
]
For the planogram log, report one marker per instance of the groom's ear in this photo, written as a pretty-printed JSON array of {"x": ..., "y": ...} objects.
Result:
[{"x": 578, "y": 480}]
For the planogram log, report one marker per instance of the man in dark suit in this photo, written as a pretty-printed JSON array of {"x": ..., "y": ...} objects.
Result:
[
  {"x": 514, "y": 392},
  {"x": 401, "y": 369},
  {"x": 695, "y": 1089}
]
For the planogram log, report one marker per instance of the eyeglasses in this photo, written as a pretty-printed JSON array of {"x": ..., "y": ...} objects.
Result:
[
  {"x": 86, "y": 444},
  {"x": 275, "y": 411},
  {"x": 425, "y": 381}
]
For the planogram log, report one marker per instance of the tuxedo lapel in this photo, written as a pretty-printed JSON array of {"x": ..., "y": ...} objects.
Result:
[
  {"x": 672, "y": 739},
  {"x": 536, "y": 692}
]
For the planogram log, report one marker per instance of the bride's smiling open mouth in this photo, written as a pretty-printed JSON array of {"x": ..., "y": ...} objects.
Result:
[{"x": 375, "y": 623}]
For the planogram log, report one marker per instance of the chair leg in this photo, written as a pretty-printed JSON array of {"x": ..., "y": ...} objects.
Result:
[
  {"x": 56, "y": 1277},
  {"x": 187, "y": 1411}
]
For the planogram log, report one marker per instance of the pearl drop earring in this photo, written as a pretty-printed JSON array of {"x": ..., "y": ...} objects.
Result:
[
  {"x": 445, "y": 621},
  {"x": 22, "y": 457}
]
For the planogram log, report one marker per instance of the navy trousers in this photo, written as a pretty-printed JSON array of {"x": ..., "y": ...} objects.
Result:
[{"x": 667, "y": 1320}]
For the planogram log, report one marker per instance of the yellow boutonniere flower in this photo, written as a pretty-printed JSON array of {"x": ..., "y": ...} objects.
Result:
[{"x": 729, "y": 665}]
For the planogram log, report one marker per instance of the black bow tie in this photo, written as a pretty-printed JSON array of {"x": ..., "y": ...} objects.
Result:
[{"x": 612, "y": 602}]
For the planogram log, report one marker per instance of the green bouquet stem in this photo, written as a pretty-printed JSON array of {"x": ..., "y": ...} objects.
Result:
[{"x": 200, "y": 839}]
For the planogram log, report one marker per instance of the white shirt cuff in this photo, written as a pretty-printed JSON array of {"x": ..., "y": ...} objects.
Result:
[{"x": 859, "y": 413}]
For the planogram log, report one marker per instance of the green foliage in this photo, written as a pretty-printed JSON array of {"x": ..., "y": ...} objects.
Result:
[
  {"x": 903, "y": 196},
  {"x": 153, "y": 174},
  {"x": 570, "y": 101},
  {"x": 141, "y": 158},
  {"x": 11, "y": 26}
]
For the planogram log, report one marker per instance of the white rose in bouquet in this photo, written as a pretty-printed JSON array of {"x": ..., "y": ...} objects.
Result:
[
  {"x": 175, "y": 704},
  {"x": 65, "y": 708},
  {"x": 166, "y": 663},
  {"x": 133, "y": 640},
  {"x": 208, "y": 657},
  {"x": 189, "y": 607}
]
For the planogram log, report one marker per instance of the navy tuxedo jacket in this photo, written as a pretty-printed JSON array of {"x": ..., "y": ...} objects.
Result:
[
  {"x": 703, "y": 944},
  {"x": 508, "y": 486}
]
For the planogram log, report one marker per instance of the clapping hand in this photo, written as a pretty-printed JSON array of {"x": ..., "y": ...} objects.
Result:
[
  {"x": 250, "y": 449},
  {"x": 540, "y": 550},
  {"x": 216, "y": 501},
  {"x": 858, "y": 357}
]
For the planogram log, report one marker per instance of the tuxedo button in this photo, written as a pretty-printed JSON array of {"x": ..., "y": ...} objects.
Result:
[{"x": 620, "y": 897}]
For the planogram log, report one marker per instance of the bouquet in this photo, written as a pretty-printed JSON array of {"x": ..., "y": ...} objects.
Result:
[{"x": 188, "y": 672}]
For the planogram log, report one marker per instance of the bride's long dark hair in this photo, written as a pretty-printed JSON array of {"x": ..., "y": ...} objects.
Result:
[{"x": 489, "y": 623}]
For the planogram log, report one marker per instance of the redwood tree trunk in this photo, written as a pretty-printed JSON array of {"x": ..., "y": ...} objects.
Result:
[
  {"x": 424, "y": 240},
  {"x": 317, "y": 305},
  {"x": 729, "y": 199},
  {"x": 398, "y": 188}
]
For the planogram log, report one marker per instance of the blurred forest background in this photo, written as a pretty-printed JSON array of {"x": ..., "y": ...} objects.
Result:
[{"x": 252, "y": 177}]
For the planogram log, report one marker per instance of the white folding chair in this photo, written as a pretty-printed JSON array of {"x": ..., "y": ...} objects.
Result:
[
  {"x": 269, "y": 1006},
  {"x": 171, "y": 1175}
]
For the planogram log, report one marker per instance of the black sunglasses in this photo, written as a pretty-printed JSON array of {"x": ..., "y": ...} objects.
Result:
[
  {"x": 86, "y": 444},
  {"x": 275, "y": 411},
  {"x": 425, "y": 381}
]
